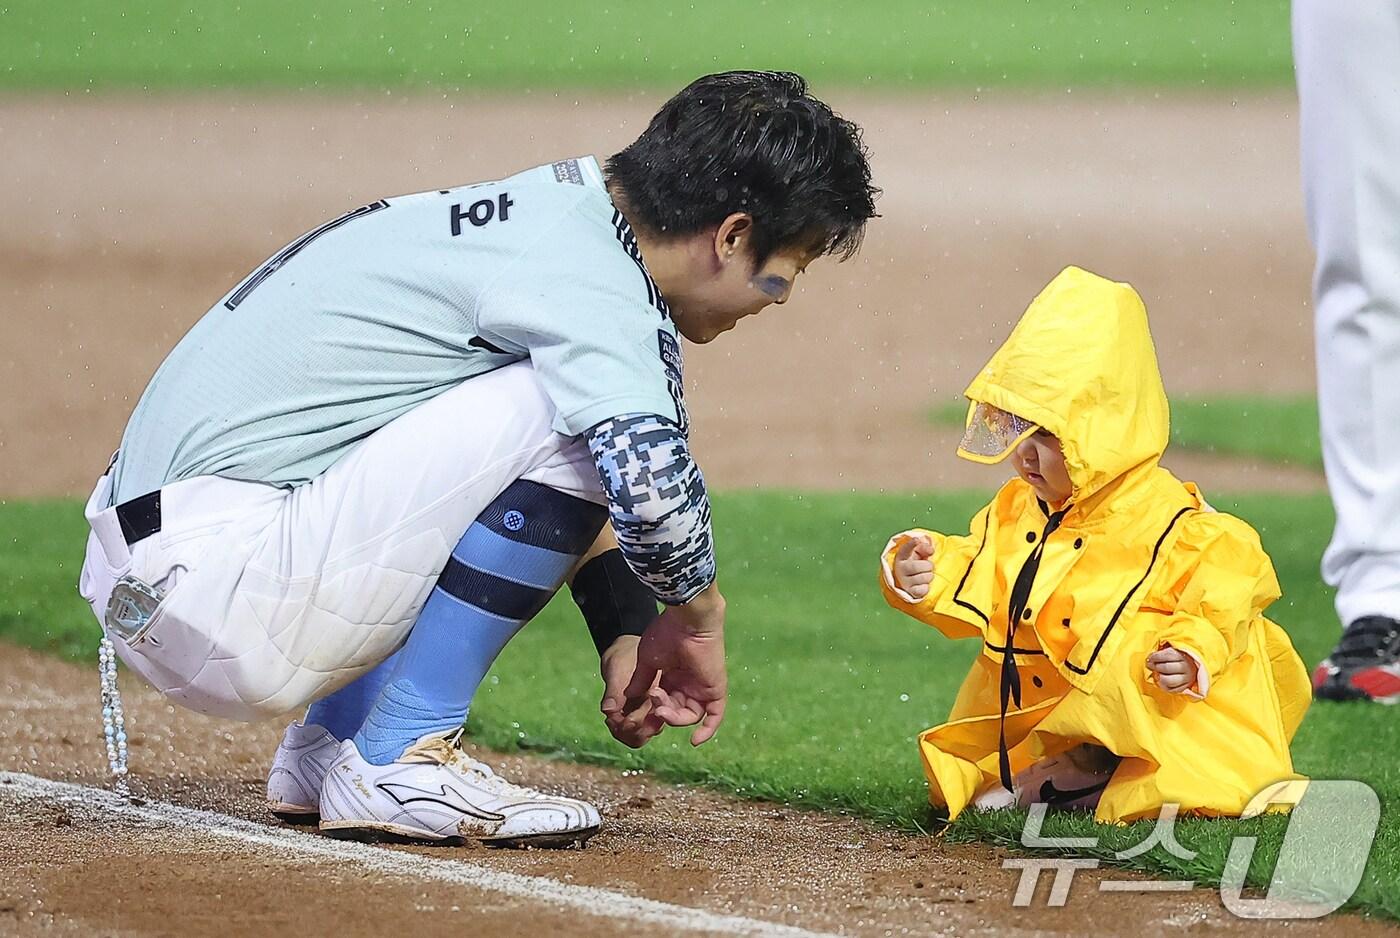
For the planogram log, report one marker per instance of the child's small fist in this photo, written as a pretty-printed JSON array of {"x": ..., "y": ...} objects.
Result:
[
  {"x": 1175, "y": 670},
  {"x": 913, "y": 568}
]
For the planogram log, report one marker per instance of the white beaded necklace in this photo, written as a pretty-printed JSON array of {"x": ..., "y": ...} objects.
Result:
[{"x": 113, "y": 720}]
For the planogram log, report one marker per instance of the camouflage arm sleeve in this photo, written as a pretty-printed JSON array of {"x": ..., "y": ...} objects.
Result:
[{"x": 658, "y": 504}]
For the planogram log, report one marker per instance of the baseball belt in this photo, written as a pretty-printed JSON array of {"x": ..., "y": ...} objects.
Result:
[{"x": 133, "y": 600}]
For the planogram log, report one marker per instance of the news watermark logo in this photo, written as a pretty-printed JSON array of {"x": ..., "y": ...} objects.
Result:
[{"x": 1331, "y": 828}]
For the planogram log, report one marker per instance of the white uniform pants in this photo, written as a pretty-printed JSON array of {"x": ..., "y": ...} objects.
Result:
[
  {"x": 1347, "y": 58},
  {"x": 275, "y": 597}
]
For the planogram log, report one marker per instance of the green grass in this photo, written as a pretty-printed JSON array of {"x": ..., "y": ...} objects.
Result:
[
  {"x": 41, "y": 553},
  {"x": 829, "y": 687},
  {"x": 1268, "y": 429},
  {"x": 540, "y": 44}
]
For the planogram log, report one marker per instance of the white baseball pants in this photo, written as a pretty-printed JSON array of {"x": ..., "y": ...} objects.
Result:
[
  {"x": 1347, "y": 59},
  {"x": 275, "y": 597}
]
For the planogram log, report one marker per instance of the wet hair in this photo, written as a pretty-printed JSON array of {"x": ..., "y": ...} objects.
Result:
[{"x": 752, "y": 142}]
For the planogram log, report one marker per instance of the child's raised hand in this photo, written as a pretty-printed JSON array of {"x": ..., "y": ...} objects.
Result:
[
  {"x": 1175, "y": 670},
  {"x": 913, "y": 566}
]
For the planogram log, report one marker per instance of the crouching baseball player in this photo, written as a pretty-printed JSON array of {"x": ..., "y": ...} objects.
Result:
[{"x": 381, "y": 454}]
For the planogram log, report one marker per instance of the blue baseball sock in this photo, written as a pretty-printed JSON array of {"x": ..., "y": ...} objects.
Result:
[
  {"x": 342, "y": 713},
  {"x": 504, "y": 570}
]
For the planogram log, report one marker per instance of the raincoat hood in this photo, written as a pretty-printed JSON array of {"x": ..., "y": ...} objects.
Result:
[{"x": 1081, "y": 364}]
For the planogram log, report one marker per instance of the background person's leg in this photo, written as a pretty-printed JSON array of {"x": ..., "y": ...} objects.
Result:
[
  {"x": 1347, "y": 57},
  {"x": 505, "y": 569}
]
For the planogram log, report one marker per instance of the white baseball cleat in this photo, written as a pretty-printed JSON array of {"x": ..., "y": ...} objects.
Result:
[
  {"x": 436, "y": 793},
  {"x": 294, "y": 783}
]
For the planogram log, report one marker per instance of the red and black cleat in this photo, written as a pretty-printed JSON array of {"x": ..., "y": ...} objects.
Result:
[
  {"x": 1365, "y": 665},
  {"x": 1381, "y": 684}
]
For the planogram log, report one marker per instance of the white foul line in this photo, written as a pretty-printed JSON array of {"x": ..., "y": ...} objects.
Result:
[{"x": 588, "y": 899}]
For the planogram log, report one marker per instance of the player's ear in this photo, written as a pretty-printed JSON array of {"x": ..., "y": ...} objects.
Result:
[{"x": 732, "y": 237}]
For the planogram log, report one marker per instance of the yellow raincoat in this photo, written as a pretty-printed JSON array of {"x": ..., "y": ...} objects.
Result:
[{"x": 1136, "y": 559}]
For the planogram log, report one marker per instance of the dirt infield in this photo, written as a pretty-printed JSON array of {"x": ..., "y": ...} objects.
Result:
[
  {"x": 712, "y": 863},
  {"x": 126, "y": 218}
]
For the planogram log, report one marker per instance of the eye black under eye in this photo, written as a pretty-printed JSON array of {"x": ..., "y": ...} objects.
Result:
[{"x": 772, "y": 285}]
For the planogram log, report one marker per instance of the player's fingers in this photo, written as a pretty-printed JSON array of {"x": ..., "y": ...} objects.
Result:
[
  {"x": 923, "y": 547},
  {"x": 633, "y": 738},
  {"x": 679, "y": 714},
  {"x": 676, "y": 708},
  {"x": 635, "y": 734},
  {"x": 676, "y": 716},
  {"x": 905, "y": 550},
  {"x": 639, "y": 689},
  {"x": 1164, "y": 656},
  {"x": 921, "y": 578},
  {"x": 650, "y": 730},
  {"x": 714, "y": 715},
  {"x": 661, "y": 697},
  {"x": 918, "y": 590},
  {"x": 624, "y": 720},
  {"x": 613, "y": 697}
]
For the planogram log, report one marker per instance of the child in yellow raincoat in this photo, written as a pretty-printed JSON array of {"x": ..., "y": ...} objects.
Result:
[{"x": 1126, "y": 662}]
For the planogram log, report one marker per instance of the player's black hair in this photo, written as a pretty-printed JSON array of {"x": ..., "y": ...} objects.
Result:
[{"x": 752, "y": 142}]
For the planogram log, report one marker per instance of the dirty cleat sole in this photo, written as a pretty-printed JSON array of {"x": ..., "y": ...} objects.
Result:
[
  {"x": 435, "y": 794},
  {"x": 574, "y": 840},
  {"x": 387, "y": 834},
  {"x": 294, "y": 814}
]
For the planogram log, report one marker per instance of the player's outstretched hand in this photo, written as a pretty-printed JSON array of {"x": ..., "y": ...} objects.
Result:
[
  {"x": 680, "y": 676},
  {"x": 913, "y": 566},
  {"x": 618, "y": 664}
]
